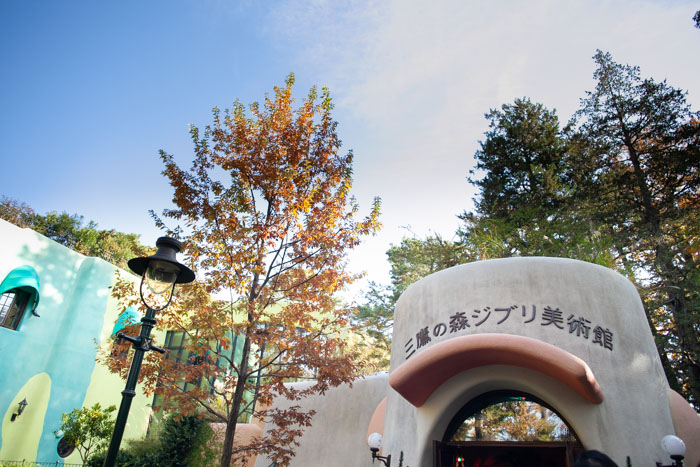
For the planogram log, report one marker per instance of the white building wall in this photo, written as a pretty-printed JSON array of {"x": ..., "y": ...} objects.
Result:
[
  {"x": 337, "y": 435},
  {"x": 634, "y": 415}
]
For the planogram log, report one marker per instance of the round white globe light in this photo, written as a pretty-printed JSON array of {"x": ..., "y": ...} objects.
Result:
[
  {"x": 375, "y": 441},
  {"x": 673, "y": 445}
]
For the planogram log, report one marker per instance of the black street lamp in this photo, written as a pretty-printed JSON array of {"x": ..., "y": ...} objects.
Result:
[{"x": 159, "y": 274}]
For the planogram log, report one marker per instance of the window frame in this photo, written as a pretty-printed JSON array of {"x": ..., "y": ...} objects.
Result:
[
  {"x": 19, "y": 300},
  {"x": 175, "y": 344}
]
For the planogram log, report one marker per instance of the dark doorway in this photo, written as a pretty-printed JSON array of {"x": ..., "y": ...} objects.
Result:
[
  {"x": 505, "y": 453},
  {"x": 507, "y": 429}
]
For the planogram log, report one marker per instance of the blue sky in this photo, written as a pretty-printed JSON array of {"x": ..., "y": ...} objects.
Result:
[{"x": 90, "y": 91}]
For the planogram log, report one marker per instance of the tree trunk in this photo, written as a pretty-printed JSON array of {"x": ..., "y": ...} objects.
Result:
[
  {"x": 665, "y": 362},
  {"x": 687, "y": 338},
  {"x": 478, "y": 435},
  {"x": 669, "y": 275},
  {"x": 236, "y": 404}
]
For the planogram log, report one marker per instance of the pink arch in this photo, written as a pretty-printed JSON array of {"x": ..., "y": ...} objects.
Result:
[{"x": 418, "y": 377}]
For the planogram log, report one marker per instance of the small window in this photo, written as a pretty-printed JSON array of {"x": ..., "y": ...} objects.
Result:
[
  {"x": 19, "y": 291},
  {"x": 12, "y": 305},
  {"x": 64, "y": 449}
]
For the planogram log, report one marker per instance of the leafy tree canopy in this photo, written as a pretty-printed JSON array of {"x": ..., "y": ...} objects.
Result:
[
  {"x": 617, "y": 186},
  {"x": 266, "y": 219},
  {"x": 641, "y": 141},
  {"x": 514, "y": 421},
  {"x": 88, "y": 428},
  {"x": 70, "y": 231},
  {"x": 411, "y": 260}
]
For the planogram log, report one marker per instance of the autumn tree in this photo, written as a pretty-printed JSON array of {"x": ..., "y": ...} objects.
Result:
[
  {"x": 16, "y": 212},
  {"x": 266, "y": 218},
  {"x": 513, "y": 420}
]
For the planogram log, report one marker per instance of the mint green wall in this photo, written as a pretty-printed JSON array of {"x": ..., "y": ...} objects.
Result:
[
  {"x": 106, "y": 387},
  {"x": 75, "y": 309}
]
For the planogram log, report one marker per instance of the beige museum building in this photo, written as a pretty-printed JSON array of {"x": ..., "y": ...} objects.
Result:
[{"x": 569, "y": 335}]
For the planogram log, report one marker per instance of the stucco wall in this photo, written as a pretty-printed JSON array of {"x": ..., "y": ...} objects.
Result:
[
  {"x": 75, "y": 311},
  {"x": 510, "y": 296},
  {"x": 337, "y": 435}
]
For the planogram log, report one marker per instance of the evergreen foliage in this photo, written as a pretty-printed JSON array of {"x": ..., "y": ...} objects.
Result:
[
  {"x": 641, "y": 145},
  {"x": 413, "y": 259},
  {"x": 619, "y": 186},
  {"x": 70, "y": 231}
]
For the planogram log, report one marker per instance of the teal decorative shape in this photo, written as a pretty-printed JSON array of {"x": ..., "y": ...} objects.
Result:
[
  {"x": 127, "y": 317},
  {"x": 26, "y": 279}
]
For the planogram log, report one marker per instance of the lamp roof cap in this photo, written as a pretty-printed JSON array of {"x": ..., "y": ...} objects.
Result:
[{"x": 167, "y": 251}]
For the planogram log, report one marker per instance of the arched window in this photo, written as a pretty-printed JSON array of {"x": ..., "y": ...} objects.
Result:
[{"x": 19, "y": 291}]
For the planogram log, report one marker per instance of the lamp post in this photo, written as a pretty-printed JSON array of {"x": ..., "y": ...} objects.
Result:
[
  {"x": 375, "y": 443},
  {"x": 675, "y": 447},
  {"x": 159, "y": 274}
]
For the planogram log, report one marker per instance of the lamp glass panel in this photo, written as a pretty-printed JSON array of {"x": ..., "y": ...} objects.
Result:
[
  {"x": 375, "y": 441},
  {"x": 673, "y": 445},
  {"x": 160, "y": 276}
]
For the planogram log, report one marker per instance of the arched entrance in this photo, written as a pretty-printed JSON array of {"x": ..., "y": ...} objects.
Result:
[
  {"x": 442, "y": 379},
  {"x": 506, "y": 428},
  {"x": 527, "y": 324}
]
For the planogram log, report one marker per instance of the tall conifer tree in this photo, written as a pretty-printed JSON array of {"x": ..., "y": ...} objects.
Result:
[{"x": 642, "y": 144}]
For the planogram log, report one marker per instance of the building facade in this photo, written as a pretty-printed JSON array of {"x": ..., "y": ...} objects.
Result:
[
  {"x": 55, "y": 310},
  {"x": 567, "y": 334}
]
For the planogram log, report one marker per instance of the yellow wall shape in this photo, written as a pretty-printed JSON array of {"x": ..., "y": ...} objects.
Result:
[{"x": 20, "y": 439}]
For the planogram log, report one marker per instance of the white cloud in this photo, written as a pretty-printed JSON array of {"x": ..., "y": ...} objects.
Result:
[{"x": 414, "y": 79}]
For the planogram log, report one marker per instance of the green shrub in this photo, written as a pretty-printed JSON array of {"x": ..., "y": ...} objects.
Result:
[
  {"x": 179, "y": 437},
  {"x": 144, "y": 452},
  {"x": 202, "y": 453},
  {"x": 124, "y": 459},
  {"x": 88, "y": 428},
  {"x": 175, "y": 442}
]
